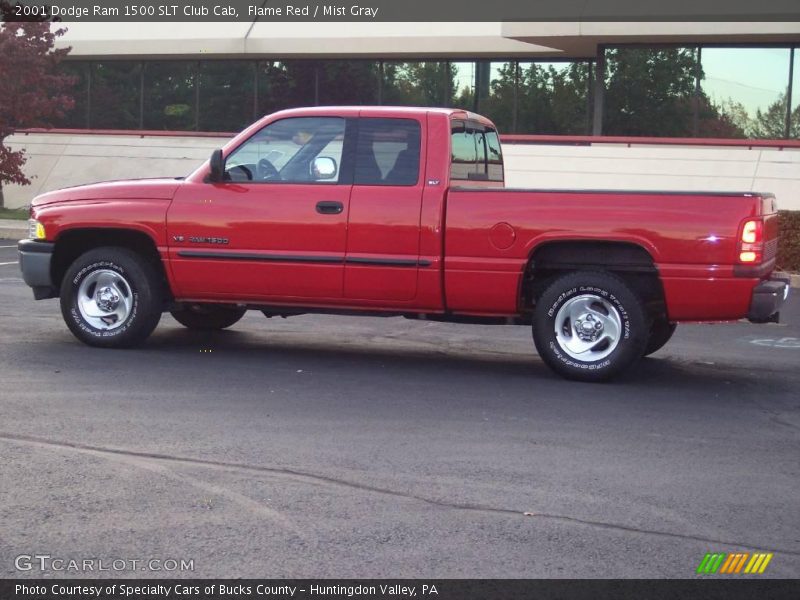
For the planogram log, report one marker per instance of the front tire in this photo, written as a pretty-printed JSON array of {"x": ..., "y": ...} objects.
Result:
[
  {"x": 589, "y": 326},
  {"x": 111, "y": 297},
  {"x": 207, "y": 317}
]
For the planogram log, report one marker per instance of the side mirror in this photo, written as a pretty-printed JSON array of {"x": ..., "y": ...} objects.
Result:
[
  {"x": 217, "y": 164},
  {"x": 322, "y": 168}
]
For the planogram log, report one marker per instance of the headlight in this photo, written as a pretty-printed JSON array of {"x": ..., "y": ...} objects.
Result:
[{"x": 36, "y": 230}]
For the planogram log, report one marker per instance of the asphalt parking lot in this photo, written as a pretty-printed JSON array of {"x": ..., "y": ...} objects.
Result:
[{"x": 363, "y": 447}]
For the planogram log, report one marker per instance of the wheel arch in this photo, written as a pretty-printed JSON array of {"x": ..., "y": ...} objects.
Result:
[
  {"x": 628, "y": 259},
  {"x": 71, "y": 243}
]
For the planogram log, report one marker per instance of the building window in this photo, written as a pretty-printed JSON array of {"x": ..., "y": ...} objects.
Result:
[
  {"x": 650, "y": 92},
  {"x": 115, "y": 97},
  {"x": 742, "y": 92},
  {"x": 348, "y": 82},
  {"x": 418, "y": 83},
  {"x": 170, "y": 100},
  {"x": 78, "y": 116},
  {"x": 225, "y": 95},
  {"x": 552, "y": 98},
  {"x": 747, "y": 89},
  {"x": 286, "y": 84}
]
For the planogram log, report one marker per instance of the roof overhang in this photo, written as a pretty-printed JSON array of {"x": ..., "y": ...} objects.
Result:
[{"x": 581, "y": 39}]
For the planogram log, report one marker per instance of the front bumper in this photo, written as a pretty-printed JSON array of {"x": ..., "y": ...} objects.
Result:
[
  {"x": 34, "y": 262},
  {"x": 768, "y": 297}
]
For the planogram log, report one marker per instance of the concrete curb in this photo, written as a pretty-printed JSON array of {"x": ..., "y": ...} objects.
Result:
[{"x": 795, "y": 277}]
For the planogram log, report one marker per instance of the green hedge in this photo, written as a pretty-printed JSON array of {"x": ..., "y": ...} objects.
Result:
[{"x": 789, "y": 242}]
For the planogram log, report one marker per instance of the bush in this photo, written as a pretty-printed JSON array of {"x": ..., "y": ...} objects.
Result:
[{"x": 789, "y": 241}]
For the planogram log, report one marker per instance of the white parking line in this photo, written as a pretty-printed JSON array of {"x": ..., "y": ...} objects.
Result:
[
  {"x": 7, "y": 246},
  {"x": 8, "y": 263}
]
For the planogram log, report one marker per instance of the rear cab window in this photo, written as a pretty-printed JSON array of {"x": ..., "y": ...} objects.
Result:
[{"x": 475, "y": 153}]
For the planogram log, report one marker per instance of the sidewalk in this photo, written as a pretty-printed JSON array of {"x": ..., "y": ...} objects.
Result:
[{"x": 12, "y": 229}]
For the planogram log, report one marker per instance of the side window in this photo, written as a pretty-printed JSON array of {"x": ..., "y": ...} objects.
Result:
[
  {"x": 295, "y": 150},
  {"x": 387, "y": 152},
  {"x": 464, "y": 153},
  {"x": 494, "y": 156},
  {"x": 475, "y": 153}
]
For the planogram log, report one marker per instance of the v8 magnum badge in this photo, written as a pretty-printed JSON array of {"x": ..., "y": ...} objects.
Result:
[{"x": 208, "y": 240}]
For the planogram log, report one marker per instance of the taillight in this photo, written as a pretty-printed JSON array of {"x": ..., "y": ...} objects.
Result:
[{"x": 751, "y": 241}]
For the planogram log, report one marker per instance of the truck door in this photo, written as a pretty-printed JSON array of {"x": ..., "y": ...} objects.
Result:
[
  {"x": 276, "y": 227},
  {"x": 382, "y": 258}
]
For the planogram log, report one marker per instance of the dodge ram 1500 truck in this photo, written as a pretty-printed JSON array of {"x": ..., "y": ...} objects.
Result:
[{"x": 400, "y": 211}]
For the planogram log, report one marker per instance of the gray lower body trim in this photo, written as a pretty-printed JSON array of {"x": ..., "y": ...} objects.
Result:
[{"x": 34, "y": 262}]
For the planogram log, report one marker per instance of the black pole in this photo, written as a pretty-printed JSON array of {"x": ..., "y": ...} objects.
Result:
[
  {"x": 141, "y": 94},
  {"x": 788, "y": 127},
  {"x": 255, "y": 90},
  {"x": 599, "y": 91},
  {"x": 696, "y": 104},
  {"x": 515, "y": 105}
]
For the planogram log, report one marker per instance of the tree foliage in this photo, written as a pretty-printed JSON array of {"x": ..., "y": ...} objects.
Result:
[{"x": 32, "y": 91}]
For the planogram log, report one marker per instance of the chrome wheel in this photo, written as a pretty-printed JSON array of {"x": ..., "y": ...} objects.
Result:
[
  {"x": 588, "y": 328},
  {"x": 105, "y": 299}
]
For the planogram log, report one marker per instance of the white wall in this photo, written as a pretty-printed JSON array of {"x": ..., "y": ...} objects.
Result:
[{"x": 60, "y": 160}]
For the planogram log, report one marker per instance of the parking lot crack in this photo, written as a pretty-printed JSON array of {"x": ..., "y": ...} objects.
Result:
[{"x": 329, "y": 480}]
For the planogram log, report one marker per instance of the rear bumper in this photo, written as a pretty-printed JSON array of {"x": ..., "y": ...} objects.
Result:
[
  {"x": 34, "y": 262},
  {"x": 767, "y": 299}
]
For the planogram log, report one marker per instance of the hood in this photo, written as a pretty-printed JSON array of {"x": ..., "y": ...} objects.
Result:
[{"x": 149, "y": 189}]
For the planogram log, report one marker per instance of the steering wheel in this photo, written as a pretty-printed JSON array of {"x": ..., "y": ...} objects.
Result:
[{"x": 266, "y": 170}]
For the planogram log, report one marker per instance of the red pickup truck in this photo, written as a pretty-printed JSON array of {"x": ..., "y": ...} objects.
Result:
[{"x": 400, "y": 211}]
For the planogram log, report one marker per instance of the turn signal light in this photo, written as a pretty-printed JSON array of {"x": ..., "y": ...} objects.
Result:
[{"x": 751, "y": 241}]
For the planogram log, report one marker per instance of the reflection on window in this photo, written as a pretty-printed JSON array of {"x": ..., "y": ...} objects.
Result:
[
  {"x": 348, "y": 82},
  {"x": 475, "y": 153},
  {"x": 226, "y": 95},
  {"x": 285, "y": 150},
  {"x": 462, "y": 94},
  {"x": 169, "y": 95},
  {"x": 286, "y": 84},
  {"x": 78, "y": 116},
  {"x": 498, "y": 96},
  {"x": 552, "y": 97},
  {"x": 747, "y": 90},
  {"x": 115, "y": 95},
  {"x": 387, "y": 152},
  {"x": 418, "y": 83},
  {"x": 650, "y": 92}
]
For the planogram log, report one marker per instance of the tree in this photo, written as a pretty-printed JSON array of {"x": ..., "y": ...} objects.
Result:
[
  {"x": 32, "y": 92},
  {"x": 771, "y": 124},
  {"x": 419, "y": 83},
  {"x": 649, "y": 92}
]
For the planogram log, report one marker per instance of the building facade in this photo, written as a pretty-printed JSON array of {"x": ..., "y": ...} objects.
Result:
[{"x": 169, "y": 85}]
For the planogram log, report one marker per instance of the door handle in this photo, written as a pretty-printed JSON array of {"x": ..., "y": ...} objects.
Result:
[{"x": 329, "y": 207}]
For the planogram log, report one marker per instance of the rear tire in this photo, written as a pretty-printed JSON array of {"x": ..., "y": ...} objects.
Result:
[
  {"x": 589, "y": 326},
  {"x": 660, "y": 333},
  {"x": 111, "y": 297},
  {"x": 207, "y": 317}
]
